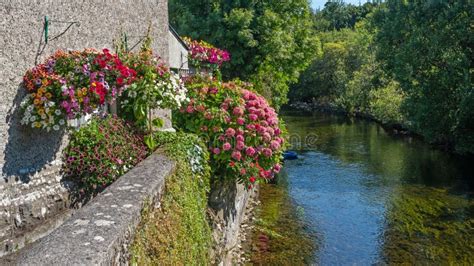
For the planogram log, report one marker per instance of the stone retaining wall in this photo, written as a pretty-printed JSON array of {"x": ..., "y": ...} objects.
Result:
[{"x": 100, "y": 232}]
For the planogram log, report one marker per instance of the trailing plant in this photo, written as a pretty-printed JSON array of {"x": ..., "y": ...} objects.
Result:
[
  {"x": 178, "y": 232},
  {"x": 102, "y": 151},
  {"x": 243, "y": 132},
  {"x": 71, "y": 84},
  {"x": 154, "y": 87},
  {"x": 204, "y": 55}
]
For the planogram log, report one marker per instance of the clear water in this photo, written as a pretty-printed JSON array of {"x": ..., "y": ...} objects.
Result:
[{"x": 372, "y": 198}]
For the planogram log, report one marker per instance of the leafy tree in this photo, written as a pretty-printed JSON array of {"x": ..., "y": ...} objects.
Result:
[
  {"x": 427, "y": 46},
  {"x": 270, "y": 41}
]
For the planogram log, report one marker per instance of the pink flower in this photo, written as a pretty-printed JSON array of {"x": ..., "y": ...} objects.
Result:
[
  {"x": 226, "y": 146},
  {"x": 275, "y": 145},
  {"x": 252, "y": 179},
  {"x": 230, "y": 132},
  {"x": 240, "y": 121},
  {"x": 240, "y": 145},
  {"x": 203, "y": 128},
  {"x": 190, "y": 109},
  {"x": 266, "y": 137},
  {"x": 250, "y": 151},
  {"x": 243, "y": 171},
  {"x": 236, "y": 155},
  {"x": 238, "y": 111},
  {"x": 267, "y": 152},
  {"x": 240, "y": 138},
  {"x": 216, "y": 151},
  {"x": 253, "y": 117},
  {"x": 277, "y": 168}
]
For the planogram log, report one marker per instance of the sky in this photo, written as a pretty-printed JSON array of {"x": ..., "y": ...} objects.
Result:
[{"x": 320, "y": 3}]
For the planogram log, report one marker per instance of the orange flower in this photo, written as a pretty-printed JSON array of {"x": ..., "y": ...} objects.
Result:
[{"x": 37, "y": 101}]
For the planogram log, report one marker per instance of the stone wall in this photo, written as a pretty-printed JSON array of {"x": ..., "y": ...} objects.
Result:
[
  {"x": 31, "y": 190},
  {"x": 100, "y": 233},
  {"x": 228, "y": 201}
]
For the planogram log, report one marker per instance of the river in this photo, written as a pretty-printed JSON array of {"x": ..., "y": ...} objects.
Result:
[{"x": 366, "y": 197}]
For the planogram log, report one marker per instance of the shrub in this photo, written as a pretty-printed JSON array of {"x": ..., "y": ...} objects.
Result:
[
  {"x": 102, "y": 151},
  {"x": 242, "y": 130},
  {"x": 70, "y": 85},
  {"x": 178, "y": 232},
  {"x": 155, "y": 87},
  {"x": 385, "y": 103}
]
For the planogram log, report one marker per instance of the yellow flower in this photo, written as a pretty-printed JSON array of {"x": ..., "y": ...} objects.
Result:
[
  {"x": 37, "y": 101},
  {"x": 41, "y": 90},
  {"x": 80, "y": 100},
  {"x": 79, "y": 94},
  {"x": 37, "y": 124},
  {"x": 34, "y": 95},
  {"x": 41, "y": 111},
  {"x": 84, "y": 91},
  {"x": 49, "y": 95},
  {"x": 93, "y": 84},
  {"x": 39, "y": 94},
  {"x": 45, "y": 82}
]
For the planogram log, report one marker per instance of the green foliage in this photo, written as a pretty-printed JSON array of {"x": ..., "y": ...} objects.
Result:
[
  {"x": 270, "y": 41},
  {"x": 178, "y": 232},
  {"x": 385, "y": 103},
  {"x": 421, "y": 50},
  {"x": 427, "y": 47},
  {"x": 337, "y": 15},
  {"x": 101, "y": 152},
  {"x": 155, "y": 87}
]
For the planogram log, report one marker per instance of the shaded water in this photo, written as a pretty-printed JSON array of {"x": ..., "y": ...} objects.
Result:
[{"x": 374, "y": 198}]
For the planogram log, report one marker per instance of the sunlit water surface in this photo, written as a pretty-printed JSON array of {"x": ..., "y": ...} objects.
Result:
[{"x": 372, "y": 198}]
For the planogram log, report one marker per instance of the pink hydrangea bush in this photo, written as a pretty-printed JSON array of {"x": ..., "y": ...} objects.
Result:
[{"x": 244, "y": 133}]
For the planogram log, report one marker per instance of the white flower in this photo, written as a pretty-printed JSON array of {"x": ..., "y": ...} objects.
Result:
[
  {"x": 57, "y": 112},
  {"x": 33, "y": 118},
  {"x": 43, "y": 116},
  {"x": 56, "y": 127},
  {"x": 30, "y": 108},
  {"x": 62, "y": 122}
]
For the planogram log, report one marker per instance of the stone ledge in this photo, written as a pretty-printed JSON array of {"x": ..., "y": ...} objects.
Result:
[{"x": 100, "y": 232}]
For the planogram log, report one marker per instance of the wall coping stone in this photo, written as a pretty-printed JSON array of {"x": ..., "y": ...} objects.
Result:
[{"x": 101, "y": 231}]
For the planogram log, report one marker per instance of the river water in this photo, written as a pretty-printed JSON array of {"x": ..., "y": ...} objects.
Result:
[{"x": 368, "y": 197}]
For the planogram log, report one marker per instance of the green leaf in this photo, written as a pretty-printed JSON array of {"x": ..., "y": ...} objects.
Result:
[
  {"x": 150, "y": 142},
  {"x": 158, "y": 122}
]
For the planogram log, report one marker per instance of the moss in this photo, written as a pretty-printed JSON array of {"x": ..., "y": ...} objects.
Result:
[
  {"x": 178, "y": 232},
  {"x": 279, "y": 237},
  {"x": 429, "y": 226}
]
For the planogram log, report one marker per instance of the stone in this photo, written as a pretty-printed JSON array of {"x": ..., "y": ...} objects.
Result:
[{"x": 103, "y": 238}]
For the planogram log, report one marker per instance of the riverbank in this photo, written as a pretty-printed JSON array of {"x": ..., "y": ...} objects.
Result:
[
  {"x": 274, "y": 232},
  {"x": 394, "y": 129}
]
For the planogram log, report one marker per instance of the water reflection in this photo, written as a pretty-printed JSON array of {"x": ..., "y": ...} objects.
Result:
[{"x": 375, "y": 198}]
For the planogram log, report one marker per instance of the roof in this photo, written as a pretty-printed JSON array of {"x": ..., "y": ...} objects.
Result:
[{"x": 176, "y": 35}]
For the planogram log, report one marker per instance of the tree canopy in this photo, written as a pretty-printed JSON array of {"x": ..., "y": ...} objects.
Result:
[{"x": 270, "y": 41}]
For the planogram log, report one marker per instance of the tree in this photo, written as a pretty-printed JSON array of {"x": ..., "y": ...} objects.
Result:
[
  {"x": 270, "y": 41},
  {"x": 427, "y": 46}
]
